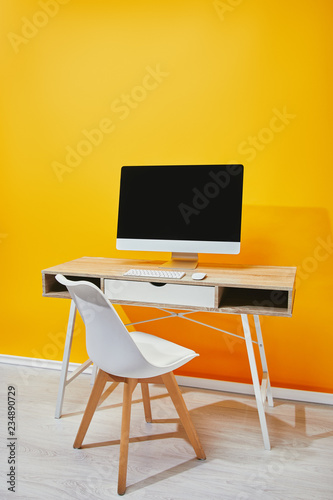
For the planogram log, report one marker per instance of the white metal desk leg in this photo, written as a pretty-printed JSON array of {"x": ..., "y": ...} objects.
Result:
[
  {"x": 65, "y": 360},
  {"x": 263, "y": 360},
  {"x": 255, "y": 380}
]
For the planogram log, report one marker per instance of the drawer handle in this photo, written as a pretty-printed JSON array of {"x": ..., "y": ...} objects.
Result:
[{"x": 157, "y": 284}]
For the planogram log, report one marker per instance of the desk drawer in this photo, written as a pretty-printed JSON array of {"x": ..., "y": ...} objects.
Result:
[{"x": 168, "y": 293}]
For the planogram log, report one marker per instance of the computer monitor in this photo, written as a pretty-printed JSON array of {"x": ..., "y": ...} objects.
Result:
[{"x": 183, "y": 209}]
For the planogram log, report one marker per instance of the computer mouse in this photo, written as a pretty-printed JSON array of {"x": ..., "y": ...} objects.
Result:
[{"x": 198, "y": 276}]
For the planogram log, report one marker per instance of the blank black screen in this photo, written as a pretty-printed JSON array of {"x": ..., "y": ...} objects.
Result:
[{"x": 185, "y": 202}]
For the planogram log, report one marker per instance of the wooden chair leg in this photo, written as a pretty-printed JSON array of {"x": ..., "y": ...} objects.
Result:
[
  {"x": 107, "y": 392},
  {"x": 91, "y": 407},
  {"x": 146, "y": 401},
  {"x": 129, "y": 386},
  {"x": 177, "y": 399}
]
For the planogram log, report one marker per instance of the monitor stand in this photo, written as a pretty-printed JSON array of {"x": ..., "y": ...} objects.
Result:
[{"x": 180, "y": 260}]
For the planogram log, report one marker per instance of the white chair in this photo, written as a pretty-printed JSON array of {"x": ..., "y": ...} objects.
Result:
[{"x": 131, "y": 358}]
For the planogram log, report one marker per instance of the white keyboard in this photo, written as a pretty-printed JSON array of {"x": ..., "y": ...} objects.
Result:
[{"x": 149, "y": 273}]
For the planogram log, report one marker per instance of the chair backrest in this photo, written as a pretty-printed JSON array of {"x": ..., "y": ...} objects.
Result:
[{"x": 108, "y": 342}]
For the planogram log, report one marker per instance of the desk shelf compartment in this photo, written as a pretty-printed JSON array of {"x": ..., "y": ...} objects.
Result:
[
  {"x": 256, "y": 301},
  {"x": 52, "y": 288},
  {"x": 181, "y": 295}
]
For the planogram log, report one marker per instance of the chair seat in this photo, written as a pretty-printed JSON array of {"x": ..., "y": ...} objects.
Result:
[{"x": 160, "y": 352}]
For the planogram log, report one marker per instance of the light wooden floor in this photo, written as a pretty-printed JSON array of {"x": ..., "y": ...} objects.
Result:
[{"x": 161, "y": 462}]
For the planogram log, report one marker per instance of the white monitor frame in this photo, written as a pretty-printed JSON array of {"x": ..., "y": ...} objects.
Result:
[{"x": 184, "y": 252}]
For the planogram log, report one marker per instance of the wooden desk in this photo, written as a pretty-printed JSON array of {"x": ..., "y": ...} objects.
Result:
[{"x": 229, "y": 289}]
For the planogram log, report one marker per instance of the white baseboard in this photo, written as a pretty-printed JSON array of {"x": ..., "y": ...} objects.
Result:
[
  {"x": 199, "y": 383},
  {"x": 238, "y": 388}
]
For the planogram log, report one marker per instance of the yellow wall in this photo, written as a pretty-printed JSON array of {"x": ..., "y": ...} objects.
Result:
[{"x": 168, "y": 82}]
